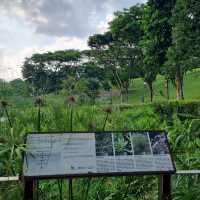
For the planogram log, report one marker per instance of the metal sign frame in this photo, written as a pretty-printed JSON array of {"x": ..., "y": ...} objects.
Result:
[{"x": 106, "y": 174}]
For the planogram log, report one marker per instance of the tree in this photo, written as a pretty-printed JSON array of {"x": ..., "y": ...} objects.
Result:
[
  {"x": 45, "y": 72},
  {"x": 16, "y": 87},
  {"x": 90, "y": 79},
  {"x": 157, "y": 38},
  {"x": 125, "y": 66},
  {"x": 19, "y": 87},
  {"x": 118, "y": 64},
  {"x": 69, "y": 85},
  {"x": 117, "y": 51},
  {"x": 93, "y": 86},
  {"x": 127, "y": 32},
  {"x": 126, "y": 26},
  {"x": 100, "y": 41},
  {"x": 92, "y": 70},
  {"x": 183, "y": 55},
  {"x": 5, "y": 89}
]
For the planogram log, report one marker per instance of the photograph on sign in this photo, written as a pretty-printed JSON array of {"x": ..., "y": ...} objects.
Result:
[{"x": 82, "y": 154}]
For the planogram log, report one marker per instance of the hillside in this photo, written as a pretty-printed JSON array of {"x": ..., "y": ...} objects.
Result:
[
  {"x": 136, "y": 91},
  {"x": 191, "y": 89}
]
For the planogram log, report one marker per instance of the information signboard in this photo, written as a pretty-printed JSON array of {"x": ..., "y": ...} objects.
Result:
[{"x": 55, "y": 155}]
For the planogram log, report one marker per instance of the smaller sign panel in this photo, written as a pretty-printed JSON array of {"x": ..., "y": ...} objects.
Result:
[{"x": 91, "y": 154}]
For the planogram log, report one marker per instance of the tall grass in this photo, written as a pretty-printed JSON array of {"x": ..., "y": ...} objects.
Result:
[{"x": 183, "y": 136}]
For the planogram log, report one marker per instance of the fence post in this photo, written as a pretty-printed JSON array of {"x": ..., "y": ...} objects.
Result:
[
  {"x": 164, "y": 187},
  {"x": 29, "y": 187}
]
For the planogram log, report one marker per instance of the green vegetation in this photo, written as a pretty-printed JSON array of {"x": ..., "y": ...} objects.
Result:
[
  {"x": 149, "y": 54},
  {"x": 144, "y": 41},
  {"x": 181, "y": 120},
  {"x": 137, "y": 91},
  {"x": 191, "y": 89}
]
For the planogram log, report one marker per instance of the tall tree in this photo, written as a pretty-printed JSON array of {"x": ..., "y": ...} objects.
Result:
[
  {"x": 157, "y": 38},
  {"x": 118, "y": 61},
  {"x": 183, "y": 55},
  {"x": 126, "y": 26},
  {"x": 117, "y": 50},
  {"x": 127, "y": 32}
]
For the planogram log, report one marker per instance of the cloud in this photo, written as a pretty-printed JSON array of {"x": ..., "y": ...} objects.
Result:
[
  {"x": 30, "y": 26},
  {"x": 7, "y": 72},
  {"x": 11, "y": 63},
  {"x": 65, "y": 17}
]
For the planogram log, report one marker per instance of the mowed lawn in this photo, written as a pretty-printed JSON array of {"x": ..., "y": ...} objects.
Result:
[{"x": 191, "y": 89}]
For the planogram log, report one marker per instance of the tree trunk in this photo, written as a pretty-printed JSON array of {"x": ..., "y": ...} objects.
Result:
[
  {"x": 127, "y": 93},
  {"x": 118, "y": 84},
  {"x": 182, "y": 93},
  {"x": 179, "y": 85},
  {"x": 122, "y": 95},
  {"x": 126, "y": 90},
  {"x": 167, "y": 88},
  {"x": 111, "y": 97},
  {"x": 151, "y": 91}
]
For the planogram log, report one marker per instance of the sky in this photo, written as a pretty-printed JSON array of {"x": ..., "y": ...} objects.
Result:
[{"x": 38, "y": 26}]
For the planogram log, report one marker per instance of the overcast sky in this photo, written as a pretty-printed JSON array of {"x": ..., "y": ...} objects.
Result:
[{"x": 30, "y": 26}]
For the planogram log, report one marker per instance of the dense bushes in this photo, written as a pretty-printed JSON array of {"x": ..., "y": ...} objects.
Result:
[{"x": 190, "y": 108}]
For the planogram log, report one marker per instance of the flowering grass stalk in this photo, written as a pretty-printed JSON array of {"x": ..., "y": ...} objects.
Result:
[
  {"x": 108, "y": 111},
  {"x": 4, "y": 105},
  {"x": 39, "y": 102},
  {"x": 71, "y": 101}
]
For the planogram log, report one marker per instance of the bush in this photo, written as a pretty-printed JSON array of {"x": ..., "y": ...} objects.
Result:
[{"x": 184, "y": 110}]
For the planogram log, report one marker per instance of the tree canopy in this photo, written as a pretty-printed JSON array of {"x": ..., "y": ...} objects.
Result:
[{"x": 159, "y": 37}]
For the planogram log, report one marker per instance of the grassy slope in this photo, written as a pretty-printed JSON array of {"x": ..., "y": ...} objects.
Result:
[
  {"x": 191, "y": 89},
  {"x": 137, "y": 90}
]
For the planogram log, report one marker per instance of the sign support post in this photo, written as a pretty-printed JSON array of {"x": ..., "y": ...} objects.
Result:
[
  {"x": 70, "y": 189},
  {"x": 29, "y": 187},
  {"x": 164, "y": 187}
]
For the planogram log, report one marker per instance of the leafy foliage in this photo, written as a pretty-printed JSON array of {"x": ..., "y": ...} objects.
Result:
[{"x": 183, "y": 138}]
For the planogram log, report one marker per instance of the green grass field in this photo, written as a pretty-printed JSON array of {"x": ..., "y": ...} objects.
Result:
[
  {"x": 136, "y": 91},
  {"x": 191, "y": 89}
]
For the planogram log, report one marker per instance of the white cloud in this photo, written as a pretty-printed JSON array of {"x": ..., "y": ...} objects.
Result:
[
  {"x": 10, "y": 67},
  {"x": 30, "y": 26},
  {"x": 65, "y": 17},
  {"x": 103, "y": 26}
]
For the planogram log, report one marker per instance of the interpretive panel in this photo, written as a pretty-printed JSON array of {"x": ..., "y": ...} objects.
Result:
[{"x": 91, "y": 154}]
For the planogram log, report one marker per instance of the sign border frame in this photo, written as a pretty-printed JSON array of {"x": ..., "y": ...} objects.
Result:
[{"x": 104, "y": 174}]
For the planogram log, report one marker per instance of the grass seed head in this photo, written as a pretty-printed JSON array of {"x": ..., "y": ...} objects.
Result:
[
  {"x": 4, "y": 104},
  {"x": 71, "y": 100},
  {"x": 39, "y": 101},
  {"x": 108, "y": 110}
]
